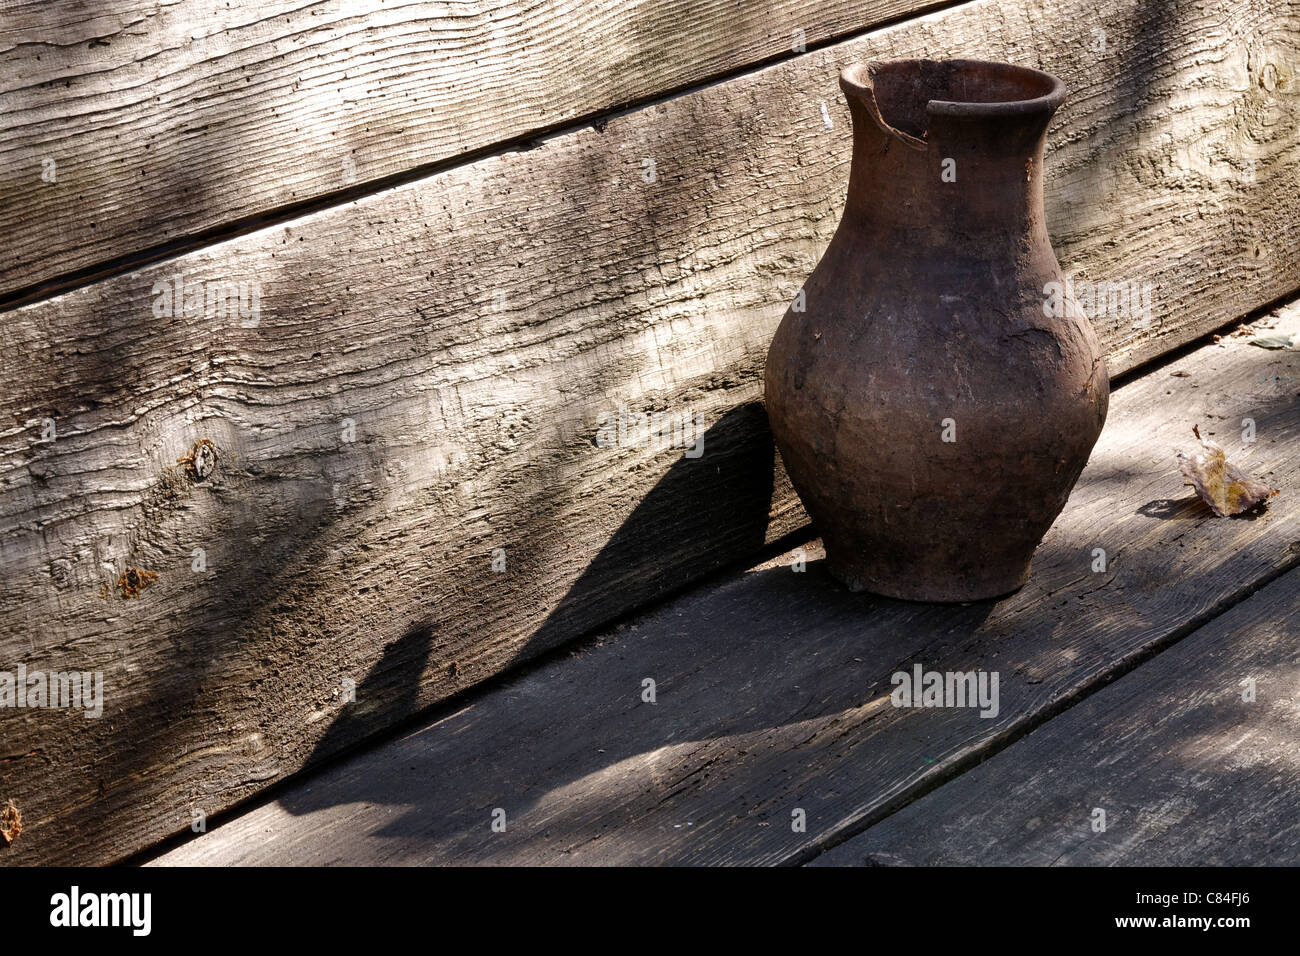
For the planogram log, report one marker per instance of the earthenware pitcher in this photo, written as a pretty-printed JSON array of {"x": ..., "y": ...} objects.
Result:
[{"x": 934, "y": 391}]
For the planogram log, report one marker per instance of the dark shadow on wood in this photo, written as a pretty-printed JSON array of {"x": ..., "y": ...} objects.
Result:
[
  {"x": 1193, "y": 509},
  {"x": 668, "y": 542},
  {"x": 1184, "y": 509},
  {"x": 774, "y": 676},
  {"x": 730, "y": 485}
]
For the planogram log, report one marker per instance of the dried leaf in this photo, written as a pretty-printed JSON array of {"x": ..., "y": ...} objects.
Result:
[
  {"x": 1276, "y": 342},
  {"x": 1219, "y": 483},
  {"x": 11, "y": 823},
  {"x": 134, "y": 580}
]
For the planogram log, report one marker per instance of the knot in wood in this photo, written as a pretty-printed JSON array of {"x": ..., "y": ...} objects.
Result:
[{"x": 204, "y": 459}]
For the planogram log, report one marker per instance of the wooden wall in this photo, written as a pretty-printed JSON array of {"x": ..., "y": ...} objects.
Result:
[{"x": 465, "y": 267}]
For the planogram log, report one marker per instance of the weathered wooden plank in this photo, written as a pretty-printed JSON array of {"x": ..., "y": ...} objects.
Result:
[
  {"x": 773, "y": 688},
  {"x": 469, "y": 331},
  {"x": 1184, "y": 769},
  {"x": 165, "y": 121}
]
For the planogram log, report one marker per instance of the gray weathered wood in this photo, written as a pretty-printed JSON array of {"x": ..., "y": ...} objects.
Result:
[
  {"x": 773, "y": 687},
  {"x": 473, "y": 327},
  {"x": 167, "y": 120},
  {"x": 1186, "y": 771}
]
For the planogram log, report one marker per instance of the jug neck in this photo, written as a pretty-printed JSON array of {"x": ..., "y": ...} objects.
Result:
[{"x": 948, "y": 152}]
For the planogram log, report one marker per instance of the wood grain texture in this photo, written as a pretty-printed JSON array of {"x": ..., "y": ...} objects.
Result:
[
  {"x": 1186, "y": 771},
  {"x": 468, "y": 331},
  {"x": 166, "y": 120},
  {"x": 773, "y": 687}
]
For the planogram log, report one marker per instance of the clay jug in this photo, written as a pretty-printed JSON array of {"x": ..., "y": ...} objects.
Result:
[{"x": 934, "y": 392}]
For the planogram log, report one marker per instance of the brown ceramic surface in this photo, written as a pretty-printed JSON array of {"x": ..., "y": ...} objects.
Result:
[{"x": 928, "y": 306}]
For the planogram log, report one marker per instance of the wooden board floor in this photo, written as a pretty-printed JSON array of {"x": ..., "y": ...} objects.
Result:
[
  {"x": 1192, "y": 760},
  {"x": 772, "y": 696},
  {"x": 421, "y": 389}
]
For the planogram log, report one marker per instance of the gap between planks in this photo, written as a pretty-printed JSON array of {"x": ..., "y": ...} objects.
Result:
[
  {"x": 773, "y": 688},
  {"x": 1182, "y": 766},
  {"x": 340, "y": 558},
  {"x": 453, "y": 141}
]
